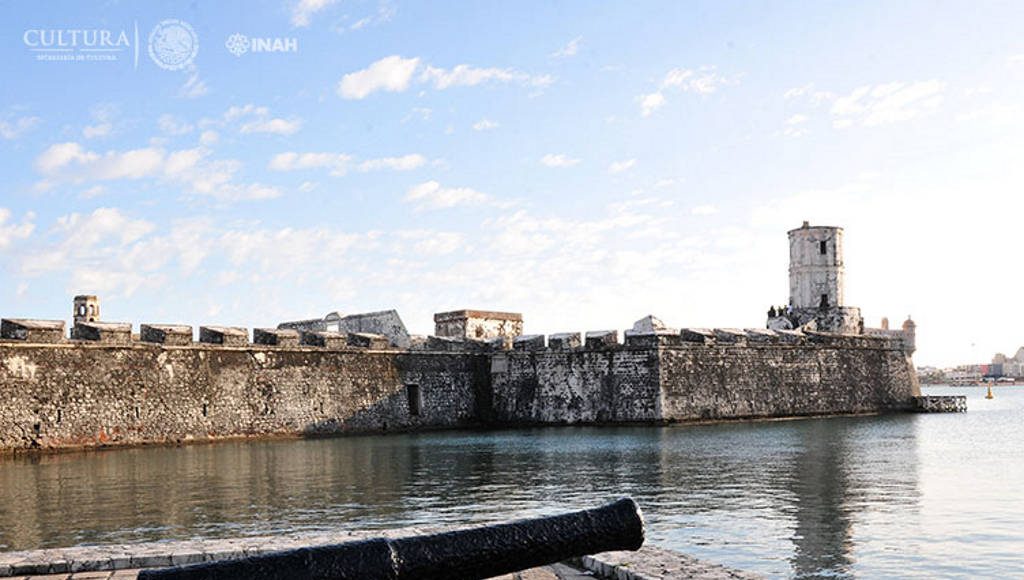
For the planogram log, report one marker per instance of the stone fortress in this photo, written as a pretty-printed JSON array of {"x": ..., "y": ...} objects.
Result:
[{"x": 106, "y": 386}]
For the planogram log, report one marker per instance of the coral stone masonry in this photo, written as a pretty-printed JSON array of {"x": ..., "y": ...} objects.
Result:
[{"x": 364, "y": 373}]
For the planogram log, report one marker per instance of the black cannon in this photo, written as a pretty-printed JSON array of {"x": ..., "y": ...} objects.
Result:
[{"x": 473, "y": 553}]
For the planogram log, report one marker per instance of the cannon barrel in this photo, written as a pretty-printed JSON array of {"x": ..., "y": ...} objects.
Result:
[{"x": 481, "y": 552}]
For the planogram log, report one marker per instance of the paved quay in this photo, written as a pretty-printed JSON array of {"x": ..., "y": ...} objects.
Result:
[{"x": 123, "y": 561}]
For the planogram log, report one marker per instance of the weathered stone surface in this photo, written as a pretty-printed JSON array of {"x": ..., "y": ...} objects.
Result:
[
  {"x": 384, "y": 322},
  {"x": 761, "y": 336},
  {"x": 655, "y": 339},
  {"x": 529, "y": 342},
  {"x": 37, "y": 331},
  {"x": 698, "y": 335},
  {"x": 478, "y": 324},
  {"x": 689, "y": 382},
  {"x": 782, "y": 381},
  {"x": 61, "y": 396},
  {"x": 169, "y": 334},
  {"x": 651, "y": 324},
  {"x": 602, "y": 338},
  {"x": 275, "y": 336},
  {"x": 650, "y": 563},
  {"x": 940, "y": 404},
  {"x": 589, "y": 385},
  {"x": 791, "y": 336},
  {"x": 224, "y": 335},
  {"x": 564, "y": 340},
  {"x": 730, "y": 336},
  {"x": 452, "y": 344},
  {"x": 368, "y": 340},
  {"x": 105, "y": 332},
  {"x": 324, "y": 339},
  {"x": 499, "y": 343}
]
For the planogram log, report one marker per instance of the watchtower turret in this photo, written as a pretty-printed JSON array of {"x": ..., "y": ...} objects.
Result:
[
  {"x": 816, "y": 272},
  {"x": 87, "y": 308}
]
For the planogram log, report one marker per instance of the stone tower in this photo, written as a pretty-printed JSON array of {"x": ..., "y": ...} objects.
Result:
[
  {"x": 816, "y": 273},
  {"x": 817, "y": 283},
  {"x": 87, "y": 308}
]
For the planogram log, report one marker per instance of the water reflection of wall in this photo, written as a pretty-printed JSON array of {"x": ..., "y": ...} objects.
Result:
[
  {"x": 784, "y": 497},
  {"x": 848, "y": 474}
]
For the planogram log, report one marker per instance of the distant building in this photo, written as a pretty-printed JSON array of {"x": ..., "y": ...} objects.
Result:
[
  {"x": 385, "y": 322},
  {"x": 1010, "y": 366}
]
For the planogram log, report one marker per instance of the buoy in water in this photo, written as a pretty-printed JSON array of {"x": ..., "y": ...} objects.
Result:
[{"x": 989, "y": 395}]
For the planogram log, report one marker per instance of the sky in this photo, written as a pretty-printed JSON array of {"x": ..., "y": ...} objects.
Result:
[{"x": 584, "y": 163}]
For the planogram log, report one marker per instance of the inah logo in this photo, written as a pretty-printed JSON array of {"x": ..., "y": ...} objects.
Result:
[
  {"x": 238, "y": 44},
  {"x": 173, "y": 44}
]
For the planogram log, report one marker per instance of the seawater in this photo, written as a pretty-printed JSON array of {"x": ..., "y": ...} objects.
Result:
[{"x": 870, "y": 497}]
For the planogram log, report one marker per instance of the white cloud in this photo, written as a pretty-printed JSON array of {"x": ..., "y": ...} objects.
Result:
[
  {"x": 103, "y": 117},
  {"x": 276, "y": 126},
  {"x": 385, "y": 12},
  {"x": 650, "y": 103},
  {"x": 101, "y": 130},
  {"x": 428, "y": 242},
  {"x": 875, "y": 105},
  {"x": 569, "y": 49},
  {"x": 705, "y": 209},
  {"x": 303, "y": 11},
  {"x": 702, "y": 81},
  {"x": 395, "y": 74},
  {"x": 172, "y": 126},
  {"x": 93, "y": 191},
  {"x": 208, "y": 137},
  {"x": 341, "y": 163},
  {"x": 193, "y": 88},
  {"x": 464, "y": 75},
  {"x": 558, "y": 160},
  {"x": 620, "y": 166},
  {"x": 291, "y": 161},
  {"x": 795, "y": 126},
  {"x": 485, "y": 125},
  {"x": 14, "y": 128},
  {"x": 255, "y": 119},
  {"x": 391, "y": 74},
  {"x": 403, "y": 163},
  {"x": 10, "y": 232},
  {"x": 70, "y": 162},
  {"x": 430, "y": 195},
  {"x": 808, "y": 92}
]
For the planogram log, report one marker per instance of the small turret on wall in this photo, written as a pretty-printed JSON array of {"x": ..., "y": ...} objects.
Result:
[{"x": 87, "y": 308}]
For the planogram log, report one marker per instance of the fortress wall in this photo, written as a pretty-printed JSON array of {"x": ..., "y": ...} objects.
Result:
[
  {"x": 719, "y": 382},
  {"x": 662, "y": 378},
  {"x": 86, "y": 395},
  {"x": 611, "y": 384}
]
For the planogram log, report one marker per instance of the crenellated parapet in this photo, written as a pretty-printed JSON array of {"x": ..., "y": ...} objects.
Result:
[
  {"x": 35, "y": 331},
  {"x": 168, "y": 334}
]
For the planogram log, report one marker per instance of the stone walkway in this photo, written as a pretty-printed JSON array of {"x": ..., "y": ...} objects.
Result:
[
  {"x": 122, "y": 562},
  {"x": 556, "y": 572}
]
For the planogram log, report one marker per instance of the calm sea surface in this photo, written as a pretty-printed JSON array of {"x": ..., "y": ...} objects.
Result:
[{"x": 871, "y": 497}]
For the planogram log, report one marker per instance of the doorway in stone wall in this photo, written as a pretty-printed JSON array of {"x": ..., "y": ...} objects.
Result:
[{"x": 414, "y": 398}]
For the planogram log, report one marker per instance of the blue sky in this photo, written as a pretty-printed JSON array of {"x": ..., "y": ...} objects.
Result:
[{"x": 584, "y": 163}]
